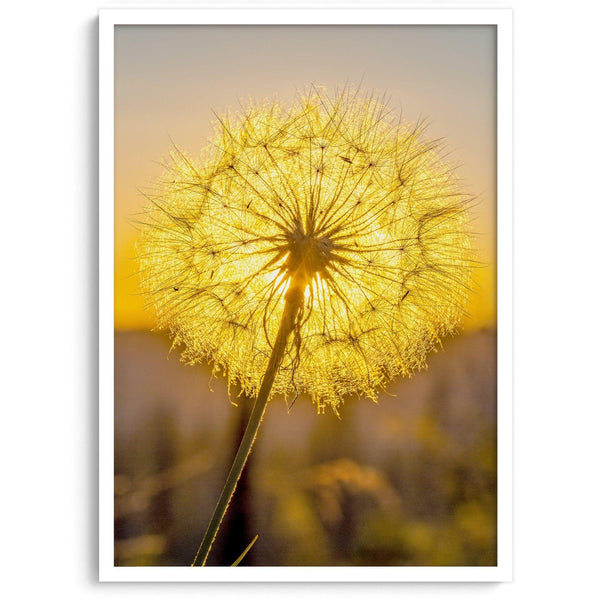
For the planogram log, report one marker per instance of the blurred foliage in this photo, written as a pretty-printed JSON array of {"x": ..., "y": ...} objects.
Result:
[{"x": 411, "y": 481}]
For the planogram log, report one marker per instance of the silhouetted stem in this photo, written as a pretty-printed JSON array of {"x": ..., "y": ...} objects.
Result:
[{"x": 293, "y": 302}]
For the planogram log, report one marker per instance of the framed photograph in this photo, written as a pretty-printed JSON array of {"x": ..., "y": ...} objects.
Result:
[{"x": 305, "y": 280}]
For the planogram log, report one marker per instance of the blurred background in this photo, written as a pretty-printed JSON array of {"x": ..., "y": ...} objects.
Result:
[{"x": 410, "y": 480}]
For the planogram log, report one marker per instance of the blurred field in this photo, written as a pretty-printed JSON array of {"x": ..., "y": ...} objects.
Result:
[{"x": 408, "y": 481}]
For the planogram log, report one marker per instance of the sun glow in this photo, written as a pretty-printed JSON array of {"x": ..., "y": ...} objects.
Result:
[{"x": 331, "y": 196}]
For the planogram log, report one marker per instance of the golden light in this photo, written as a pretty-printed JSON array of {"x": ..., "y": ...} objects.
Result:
[{"x": 330, "y": 206}]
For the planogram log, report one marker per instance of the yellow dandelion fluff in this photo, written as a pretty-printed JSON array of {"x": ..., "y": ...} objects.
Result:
[{"x": 331, "y": 208}]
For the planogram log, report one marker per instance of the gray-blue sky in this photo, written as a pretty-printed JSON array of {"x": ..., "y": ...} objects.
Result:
[{"x": 169, "y": 79}]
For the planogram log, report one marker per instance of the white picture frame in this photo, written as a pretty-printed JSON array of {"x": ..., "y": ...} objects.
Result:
[{"x": 499, "y": 18}]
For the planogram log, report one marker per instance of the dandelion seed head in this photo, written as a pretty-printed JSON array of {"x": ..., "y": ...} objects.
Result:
[{"x": 332, "y": 196}]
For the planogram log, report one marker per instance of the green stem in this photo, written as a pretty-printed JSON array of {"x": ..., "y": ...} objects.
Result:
[{"x": 293, "y": 302}]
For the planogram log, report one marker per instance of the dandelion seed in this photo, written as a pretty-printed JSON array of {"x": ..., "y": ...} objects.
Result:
[
  {"x": 331, "y": 197},
  {"x": 321, "y": 249}
]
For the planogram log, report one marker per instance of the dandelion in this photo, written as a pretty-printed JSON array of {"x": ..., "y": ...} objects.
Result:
[{"x": 321, "y": 249}]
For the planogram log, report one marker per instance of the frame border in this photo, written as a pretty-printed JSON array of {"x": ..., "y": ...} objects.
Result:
[{"x": 236, "y": 15}]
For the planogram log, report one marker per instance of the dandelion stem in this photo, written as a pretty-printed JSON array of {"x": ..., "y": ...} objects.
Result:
[{"x": 293, "y": 301}]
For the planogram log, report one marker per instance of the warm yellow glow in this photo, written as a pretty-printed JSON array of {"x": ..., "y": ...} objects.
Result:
[{"x": 334, "y": 195}]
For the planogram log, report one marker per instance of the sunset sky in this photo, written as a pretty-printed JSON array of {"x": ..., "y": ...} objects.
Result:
[{"x": 170, "y": 79}]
